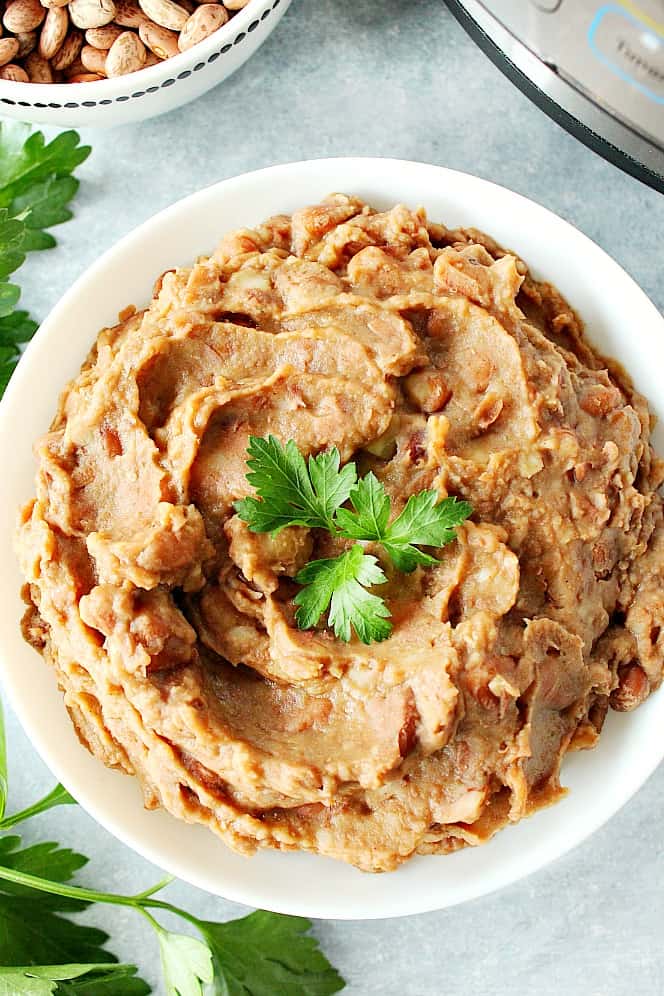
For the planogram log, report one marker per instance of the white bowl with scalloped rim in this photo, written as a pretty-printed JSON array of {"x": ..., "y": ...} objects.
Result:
[
  {"x": 620, "y": 320},
  {"x": 151, "y": 91}
]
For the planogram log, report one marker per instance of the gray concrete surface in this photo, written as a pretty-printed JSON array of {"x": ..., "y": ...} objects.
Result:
[{"x": 395, "y": 78}]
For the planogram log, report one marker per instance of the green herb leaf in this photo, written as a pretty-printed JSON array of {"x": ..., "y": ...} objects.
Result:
[
  {"x": 45, "y": 204},
  {"x": 106, "y": 980},
  {"x": 16, "y": 328},
  {"x": 42, "y": 980},
  {"x": 32, "y": 931},
  {"x": 186, "y": 963},
  {"x": 4, "y": 781},
  {"x": 20, "y": 983},
  {"x": 265, "y": 954},
  {"x": 9, "y": 357},
  {"x": 9, "y": 295},
  {"x": 59, "y": 796},
  {"x": 45, "y": 860},
  {"x": 36, "y": 187},
  {"x": 292, "y": 492},
  {"x": 371, "y": 511},
  {"x": 28, "y": 926},
  {"x": 36, "y": 240},
  {"x": 12, "y": 233},
  {"x": 340, "y": 583},
  {"x": 425, "y": 521},
  {"x": 26, "y": 159}
]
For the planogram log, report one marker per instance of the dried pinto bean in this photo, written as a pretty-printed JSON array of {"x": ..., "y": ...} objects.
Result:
[
  {"x": 128, "y": 14},
  {"x": 23, "y": 15},
  {"x": 14, "y": 73},
  {"x": 38, "y": 69},
  {"x": 94, "y": 59},
  {"x": 8, "y": 50},
  {"x": 103, "y": 37},
  {"x": 207, "y": 19},
  {"x": 126, "y": 55},
  {"x": 27, "y": 42},
  {"x": 53, "y": 32},
  {"x": 85, "y": 78},
  {"x": 159, "y": 41},
  {"x": 68, "y": 51},
  {"x": 91, "y": 13},
  {"x": 166, "y": 13},
  {"x": 71, "y": 40}
]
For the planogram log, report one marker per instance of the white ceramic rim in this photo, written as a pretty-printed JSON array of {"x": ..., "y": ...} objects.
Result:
[
  {"x": 107, "y": 89},
  {"x": 531, "y": 844}
]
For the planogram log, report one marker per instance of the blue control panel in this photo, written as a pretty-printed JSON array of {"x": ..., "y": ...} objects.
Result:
[
  {"x": 630, "y": 47},
  {"x": 611, "y": 51}
]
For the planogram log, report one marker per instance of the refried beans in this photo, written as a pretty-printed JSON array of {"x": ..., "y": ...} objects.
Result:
[{"x": 431, "y": 357}]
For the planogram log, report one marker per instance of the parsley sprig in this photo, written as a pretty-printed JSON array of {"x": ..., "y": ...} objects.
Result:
[
  {"x": 36, "y": 186},
  {"x": 340, "y": 584},
  {"x": 43, "y": 952},
  {"x": 293, "y": 492}
]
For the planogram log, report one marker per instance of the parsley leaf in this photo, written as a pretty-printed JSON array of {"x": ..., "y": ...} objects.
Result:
[
  {"x": 371, "y": 511},
  {"x": 35, "y": 188},
  {"x": 59, "y": 796},
  {"x": 426, "y": 520},
  {"x": 32, "y": 931},
  {"x": 265, "y": 953},
  {"x": 292, "y": 492},
  {"x": 45, "y": 860},
  {"x": 16, "y": 328},
  {"x": 106, "y": 980},
  {"x": 186, "y": 963},
  {"x": 8, "y": 359},
  {"x": 3, "y": 765},
  {"x": 9, "y": 295},
  {"x": 43, "y": 980},
  {"x": 12, "y": 234},
  {"x": 26, "y": 159},
  {"x": 262, "y": 954},
  {"x": 340, "y": 584},
  {"x": 110, "y": 980},
  {"x": 42, "y": 206}
]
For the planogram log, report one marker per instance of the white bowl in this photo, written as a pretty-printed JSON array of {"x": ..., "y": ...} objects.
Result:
[
  {"x": 621, "y": 322},
  {"x": 151, "y": 91}
]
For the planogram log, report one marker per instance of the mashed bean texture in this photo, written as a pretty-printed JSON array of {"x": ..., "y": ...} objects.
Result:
[{"x": 431, "y": 357}]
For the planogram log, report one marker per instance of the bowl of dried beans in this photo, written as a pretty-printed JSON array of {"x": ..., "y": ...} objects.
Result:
[{"x": 108, "y": 62}]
